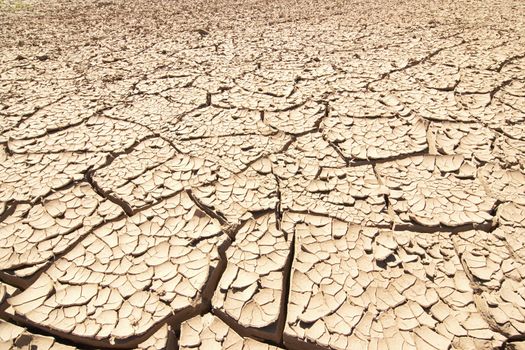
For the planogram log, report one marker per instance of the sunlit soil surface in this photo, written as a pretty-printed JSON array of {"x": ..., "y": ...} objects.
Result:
[{"x": 262, "y": 175}]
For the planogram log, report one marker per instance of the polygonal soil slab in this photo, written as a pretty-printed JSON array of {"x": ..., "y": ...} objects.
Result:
[
  {"x": 64, "y": 113},
  {"x": 298, "y": 120},
  {"x": 472, "y": 140},
  {"x": 218, "y": 122},
  {"x": 14, "y": 113},
  {"x": 504, "y": 184},
  {"x": 436, "y": 191},
  {"x": 163, "y": 80},
  {"x": 352, "y": 194},
  {"x": 209, "y": 332},
  {"x": 376, "y": 138},
  {"x": 510, "y": 152},
  {"x": 367, "y": 105},
  {"x": 305, "y": 157},
  {"x": 96, "y": 134},
  {"x": 234, "y": 153},
  {"x": 236, "y": 197},
  {"x": 250, "y": 292},
  {"x": 151, "y": 172},
  {"x": 498, "y": 273},
  {"x": 271, "y": 82},
  {"x": 508, "y": 115},
  {"x": 33, "y": 236},
  {"x": 425, "y": 74},
  {"x": 119, "y": 283},
  {"x": 511, "y": 229},
  {"x": 241, "y": 98},
  {"x": 29, "y": 177},
  {"x": 362, "y": 287},
  {"x": 157, "y": 110},
  {"x": 436, "y": 105},
  {"x": 478, "y": 81}
]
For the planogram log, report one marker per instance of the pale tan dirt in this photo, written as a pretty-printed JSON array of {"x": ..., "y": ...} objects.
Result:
[{"x": 262, "y": 175}]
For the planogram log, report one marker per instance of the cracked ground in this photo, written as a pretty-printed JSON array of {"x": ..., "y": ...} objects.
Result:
[{"x": 262, "y": 175}]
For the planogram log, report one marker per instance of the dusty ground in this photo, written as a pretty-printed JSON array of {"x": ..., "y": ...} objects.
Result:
[{"x": 262, "y": 174}]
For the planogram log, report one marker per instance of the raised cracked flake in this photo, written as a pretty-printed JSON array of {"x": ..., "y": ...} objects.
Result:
[
  {"x": 128, "y": 276},
  {"x": 209, "y": 332},
  {"x": 13, "y": 337},
  {"x": 511, "y": 219},
  {"x": 508, "y": 115},
  {"x": 163, "y": 339},
  {"x": 510, "y": 152},
  {"x": 250, "y": 292},
  {"x": 6, "y": 291},
  {"x": 511, "y": 214}
]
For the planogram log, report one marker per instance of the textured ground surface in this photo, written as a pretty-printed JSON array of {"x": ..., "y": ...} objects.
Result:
[{"x": 262, "y": 175}]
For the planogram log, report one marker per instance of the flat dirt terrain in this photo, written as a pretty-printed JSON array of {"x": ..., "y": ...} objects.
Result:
[{"x": 262, "y": 175}]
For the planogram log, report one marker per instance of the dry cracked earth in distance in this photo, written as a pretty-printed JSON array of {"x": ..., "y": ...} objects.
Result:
[{"x": 262, "y": 175}]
